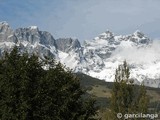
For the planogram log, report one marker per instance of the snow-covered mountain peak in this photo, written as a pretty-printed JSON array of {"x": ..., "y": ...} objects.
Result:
[
  {"x": 138, "y": 34},
  {"x": 138, "y": 38},
  {"x": 104, "y": 55},
  {"x": 98, "y": 57},
  {"x": 6, "y": 33},
  {"x": 4, "y": 23},
  {"x": 33, "y": 28},
  {"x": 4, "y": 26},
  {"x": 105, "y": 36},
  {"x": 33, "y": 35}
]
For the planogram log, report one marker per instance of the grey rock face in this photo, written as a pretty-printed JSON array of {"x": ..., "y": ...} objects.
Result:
[
  {"x": 74, "y": 50},
  {"x": 139, "y": 38},
  {"x": 47, "y": 39},
  {"x": 28, "y": 35},
  {"x": 29, "y": 40},
  {"x": 67, "y": 44},
  {"x": 34, "y": 36},
  {"x": 6, "y": 33},
  {"x": 98, "y": 57}
]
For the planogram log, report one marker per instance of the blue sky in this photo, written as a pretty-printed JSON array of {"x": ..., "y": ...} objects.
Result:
[{"x": 84, "y": 19}]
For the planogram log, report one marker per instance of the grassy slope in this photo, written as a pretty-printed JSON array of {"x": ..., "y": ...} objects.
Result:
[{"x": 101, "y": 90}]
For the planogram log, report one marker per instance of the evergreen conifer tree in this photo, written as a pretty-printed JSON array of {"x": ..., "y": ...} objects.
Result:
[
  {"x": 143, "y": 100},
  {"x": 33, "y": 89},
  {"x": 125, "y": 98}
]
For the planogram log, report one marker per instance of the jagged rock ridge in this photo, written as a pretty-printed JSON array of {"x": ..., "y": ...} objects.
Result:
[{"x": 98, "y": 57}]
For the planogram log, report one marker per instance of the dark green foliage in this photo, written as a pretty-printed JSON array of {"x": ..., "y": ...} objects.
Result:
[
  {"x": 88, "y": 81},
  {"x": 125, "y": 97},
  {"x": 143, "y": 100},
  {"x": 28, "y": 92},
  {"x": 155, "y": 107}
]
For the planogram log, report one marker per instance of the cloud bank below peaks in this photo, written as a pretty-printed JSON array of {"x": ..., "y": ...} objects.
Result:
[{"x": 137, "y": 54}]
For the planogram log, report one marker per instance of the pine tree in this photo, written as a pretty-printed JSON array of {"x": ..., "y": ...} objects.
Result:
[
  {"x": 33, "y": 89},
  {"x": 124, "y": 98},
  {"x": 143, "y": 100},
  {"x": 19, "y": 76}
]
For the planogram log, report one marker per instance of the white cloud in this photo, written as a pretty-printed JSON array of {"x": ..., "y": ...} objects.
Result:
[{"x": 145, "y": 55}]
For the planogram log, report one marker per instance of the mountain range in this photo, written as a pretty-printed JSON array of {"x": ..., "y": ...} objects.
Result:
[{"x": 98, "y": 57}]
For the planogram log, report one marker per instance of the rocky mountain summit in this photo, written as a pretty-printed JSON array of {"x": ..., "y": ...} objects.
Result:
[{"x": 98, "y": 57}]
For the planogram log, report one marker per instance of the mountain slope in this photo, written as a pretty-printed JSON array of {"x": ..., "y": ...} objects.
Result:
[
  {"x": 98, "y": 57},
  {"x": 105, "y": 52},
  {"x": 101, "y": 91}
]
